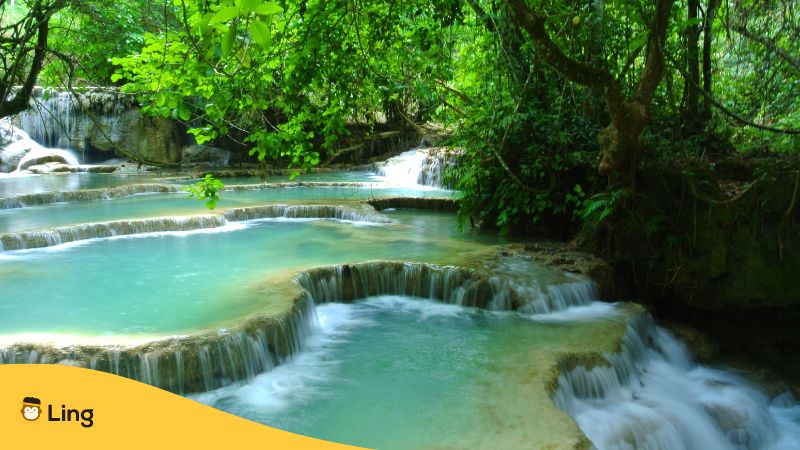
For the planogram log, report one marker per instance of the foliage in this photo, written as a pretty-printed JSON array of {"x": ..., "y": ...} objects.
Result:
[
  {"x": 290, "y": 80},
  {"x": 88, "y": 33},
  {"x": 25, "y": 29},
  {"x": 206, "y": 189},
  {"x": 264, "y": 75}
]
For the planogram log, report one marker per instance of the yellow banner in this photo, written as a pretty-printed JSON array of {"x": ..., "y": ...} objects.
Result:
[{"x": 62, "y": 407}]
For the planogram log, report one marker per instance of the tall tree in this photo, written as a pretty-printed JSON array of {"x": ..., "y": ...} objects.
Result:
[{"x": 620, "y": 140}]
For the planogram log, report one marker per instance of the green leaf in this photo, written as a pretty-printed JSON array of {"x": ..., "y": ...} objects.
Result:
[
  {"x": 184, "y": 113},
  {"x": 115, "y": 77},
  {"x": 160, "y": 99},
  {"x": 250, "y": 5},
  {"x": 227, "y": 41},
  {"x": 224, "y": 15},
  {"x": 260, "y": 33},
  {"x": 268, "y": 9}
]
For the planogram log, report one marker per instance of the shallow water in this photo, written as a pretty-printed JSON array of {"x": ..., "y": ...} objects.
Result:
[
  {"x": 400, "y": 372},
  {"x": 20, "y": 184},
  {"x": 169, "y": 282},
  {"x": 155, "y": 205}
]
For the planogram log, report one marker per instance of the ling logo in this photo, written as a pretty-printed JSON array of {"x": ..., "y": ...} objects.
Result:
[{"x": 32, "y": 410}]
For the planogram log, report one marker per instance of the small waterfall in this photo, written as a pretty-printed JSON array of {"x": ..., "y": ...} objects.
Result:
[
  {"x": 651, "y": 395},
  {"x": 292, "y": 184},
  {"x": 364, "y": 214},
  {"x": 453, "y": 285},
  {"x": 62, "y": 235},
  {"x": 45, "y": 198},
  {"x": 417, "y": 167},
  {"x": 60, "y": 119},
  {"x": 404, "y": 169},
  {"x": 426, "y": 203},
  {"x": 21, "y": 152},
  {"x": 215, "y": 359},
  {"x": 41, "y": 155},
  {"x": 189, "y": 364}
]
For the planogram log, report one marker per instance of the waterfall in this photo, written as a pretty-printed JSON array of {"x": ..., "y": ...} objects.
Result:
[
  {"x": 44, "y": 198},
  {"x": 447, "y": 284},
  {"x": 62, "y": 235},
  {"x": 364, "y": 214},
  {"x": 416, "y": 167},
  {"x": 20, "y": 151},
  {"x": 210, "y": 360},
  {"x": 189, "y": 364},
  {"x": 59, "y": 119},
  {"x": 651, "y": 395},
  {"x": 426, "y": 203}
]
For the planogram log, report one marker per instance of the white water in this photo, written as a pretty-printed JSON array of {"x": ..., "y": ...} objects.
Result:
[
  {"x": 404, "y": 169},
  {"x": 296, "y": 381},
  {"x": 19, "y": 141},
  {"x": 413, "y": 168},
  {"x": 654, "y": 397}
]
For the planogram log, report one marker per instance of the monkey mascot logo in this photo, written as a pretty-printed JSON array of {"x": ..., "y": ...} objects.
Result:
[{"x": 31, "y": 408}]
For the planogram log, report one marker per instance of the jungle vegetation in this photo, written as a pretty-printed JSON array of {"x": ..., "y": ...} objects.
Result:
[{"x": 560, "y": 106}]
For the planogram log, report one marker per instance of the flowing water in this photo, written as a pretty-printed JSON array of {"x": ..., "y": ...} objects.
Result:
[
  {"x": 403, "y": 372},
  {"x": 268, "y": 308}
]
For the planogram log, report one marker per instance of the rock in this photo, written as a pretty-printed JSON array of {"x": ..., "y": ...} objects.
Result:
[
  {"x": 11, "y": 155},
  {"x": 155, "y": 140},
  {"x": 202, "y": 153},
  {"x": 49, "y": 167},
  {"x": 101, "y": 169},
  {"x": 50, "y": 158}
]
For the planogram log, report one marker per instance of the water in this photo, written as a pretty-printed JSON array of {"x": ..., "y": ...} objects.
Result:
[
  {"x": 17, "y": 142},
  {"x": 170, "y": 282},
  {"x": 31, "y": 184},
  {"x": 154, "y": 205},
  {"x": 387, "y": 372},
  {"x": 400, "y": 372},
  {"x": 652, "y": 396},
  {"x": 414, "y": 168}
]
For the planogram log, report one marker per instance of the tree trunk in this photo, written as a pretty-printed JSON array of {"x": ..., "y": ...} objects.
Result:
[
  {"x": 691, "y": 114},
  {"x": 619, "y": 141},
  {"x": 708, "y": 38}
]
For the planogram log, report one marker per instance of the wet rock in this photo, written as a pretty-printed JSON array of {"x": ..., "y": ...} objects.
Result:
[
  {"x": 561, "y": 256},
  {"x": 42, "y": 161},
  {"x": 101, "y": 169},
  {"x": 49, "y": 167}
]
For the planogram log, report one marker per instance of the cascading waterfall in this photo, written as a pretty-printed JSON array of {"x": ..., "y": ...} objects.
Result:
[
  {"x": 21, "y": 151},
  {"x": 189, "y": 364},
  {"x": 652, "y": 396},
  {"x": 73, "y": 233},
  {"x": 212, "y": 360},
  {"x": 416, "y": 167},
  {"x": 59, "y": 119},
  {"x": 63, "y": 235}
]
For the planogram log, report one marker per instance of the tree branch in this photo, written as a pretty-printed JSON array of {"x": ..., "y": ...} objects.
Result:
[
  {"x": 770, "y": 45},
  {"x": 598, "y": 79},
  {"x": 727, "y": 111}
]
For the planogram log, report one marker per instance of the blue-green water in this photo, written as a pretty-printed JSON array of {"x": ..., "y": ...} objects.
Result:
[
  {"x": 170, "y": 282},
  {"x": 398, "y": 372},
  {"x": 11, "y": 185},
  {"x": 156, "y": 205}
]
